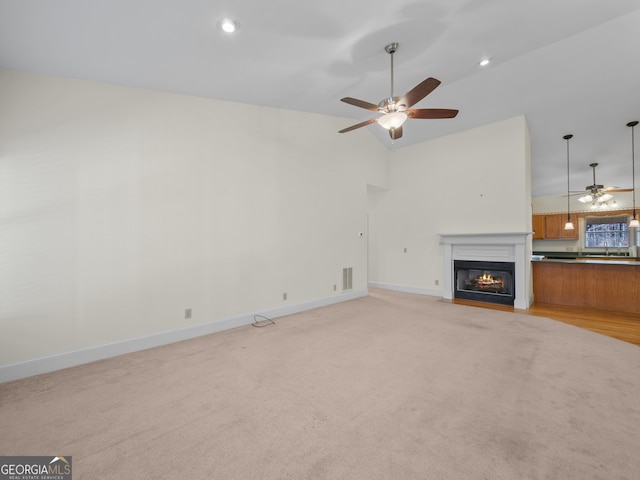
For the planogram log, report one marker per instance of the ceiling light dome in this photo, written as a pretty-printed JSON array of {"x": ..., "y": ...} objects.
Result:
[
  {"x": 392, "y": 120},
  {"x": 228, "y": 25}
]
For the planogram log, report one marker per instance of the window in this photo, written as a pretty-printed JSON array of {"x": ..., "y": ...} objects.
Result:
[{"x": 606, "y": 232}]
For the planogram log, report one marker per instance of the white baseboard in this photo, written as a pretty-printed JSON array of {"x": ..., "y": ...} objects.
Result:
[
  {"x": 406, "y": 289},
  {"x": 51, "y": 363}
]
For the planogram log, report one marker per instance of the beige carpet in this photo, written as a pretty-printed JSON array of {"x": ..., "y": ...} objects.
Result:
[{"x": 391, "y": 386}]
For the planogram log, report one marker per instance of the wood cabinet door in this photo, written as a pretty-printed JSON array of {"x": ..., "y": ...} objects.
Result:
[
  {"x": 570, "y": 234},
  {"x": 537, "y": 225},
  {"x": 553, "y": 226}
]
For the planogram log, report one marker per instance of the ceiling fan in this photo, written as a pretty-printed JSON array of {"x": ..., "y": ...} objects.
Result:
[
  {"x": 395, "y": 110},
  {"x": 598, "y": 194}
]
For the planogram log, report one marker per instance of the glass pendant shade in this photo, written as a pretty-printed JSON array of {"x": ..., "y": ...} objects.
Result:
[
  {"x": 568, "y": 226},
  {"x": 392, "y": 120},
  {"x": 634, "y": 223}
]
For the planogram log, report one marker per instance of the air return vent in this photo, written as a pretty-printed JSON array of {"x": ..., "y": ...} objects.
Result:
[{"x": 347, "y": 278}]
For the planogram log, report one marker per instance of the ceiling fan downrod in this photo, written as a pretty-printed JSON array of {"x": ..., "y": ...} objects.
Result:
[
  {"x": 593, "y": 166},
  {"x": 391, "y": 49}
]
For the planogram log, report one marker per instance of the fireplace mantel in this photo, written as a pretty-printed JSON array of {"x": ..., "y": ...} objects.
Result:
[{"x": 492, "y": 247}]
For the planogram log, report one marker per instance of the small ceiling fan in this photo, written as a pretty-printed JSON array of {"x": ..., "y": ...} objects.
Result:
[
  {"x": 395, "y": 110},
  {"x": 598, "y": 194}
]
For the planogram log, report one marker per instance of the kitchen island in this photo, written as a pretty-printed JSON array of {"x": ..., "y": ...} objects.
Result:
[{"x": 608, "y": 283}]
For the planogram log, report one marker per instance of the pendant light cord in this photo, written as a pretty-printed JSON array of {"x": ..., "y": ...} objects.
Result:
[
  {"x": 568, "y": 208},
  {"x": 633, "y": 165},
  {"x": 567, "y": 137}
]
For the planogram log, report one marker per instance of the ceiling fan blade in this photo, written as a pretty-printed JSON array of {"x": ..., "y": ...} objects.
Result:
[
  {"x": 431, "y": 113},
  {"x": 618, "y": 190},
  {"x": 420, "y": 91},
  {"x": 362, "y": 124},
  {"x": 360, "y": 103},
  {"x": 395, "y": 133}
]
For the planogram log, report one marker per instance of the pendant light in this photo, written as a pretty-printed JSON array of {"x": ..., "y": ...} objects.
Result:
[
  {"x": 569, "y": 224},
  {"x": 634, "y": 223}
]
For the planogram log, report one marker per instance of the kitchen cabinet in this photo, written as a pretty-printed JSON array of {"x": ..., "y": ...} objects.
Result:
[
  {"x": 537, "y": 224},
  {"x": 550, "y": 226},
  {"x": 606, "y": 285},
  {"x": 554, "y": 227}
]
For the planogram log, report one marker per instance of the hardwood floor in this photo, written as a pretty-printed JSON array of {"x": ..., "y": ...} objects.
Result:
[{"x": 620, "y": 325}]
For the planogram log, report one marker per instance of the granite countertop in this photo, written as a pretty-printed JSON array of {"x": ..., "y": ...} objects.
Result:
[{"x": 634, "y": 262}]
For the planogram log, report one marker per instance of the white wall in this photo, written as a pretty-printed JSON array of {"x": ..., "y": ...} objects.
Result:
[
  {"x": 121, "y": 207},
  {"x": 558, "y": 204},
  {"x": 476, "y": 181}
]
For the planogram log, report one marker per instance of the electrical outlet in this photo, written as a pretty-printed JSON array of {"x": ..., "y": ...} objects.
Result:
[
  {"x": 437, "y": 282},
  {"x": 335, "y": 287},
  {"x": 284, "y": 296},
  {"x": 187, "y": 313}
]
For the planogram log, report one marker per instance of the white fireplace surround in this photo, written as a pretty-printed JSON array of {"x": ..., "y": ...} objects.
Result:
[{"x": 491, "y": 247}]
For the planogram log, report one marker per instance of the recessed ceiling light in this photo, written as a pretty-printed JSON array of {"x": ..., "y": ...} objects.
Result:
[
  {"x": 228, "y": 25},
  {"x": 485, "y": 62}
]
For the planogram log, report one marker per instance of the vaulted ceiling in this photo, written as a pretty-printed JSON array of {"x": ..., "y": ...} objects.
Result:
[{"x": 569, "y": 66}]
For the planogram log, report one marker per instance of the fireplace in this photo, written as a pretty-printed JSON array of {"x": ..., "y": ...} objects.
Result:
[
  {"x": 508, "y": 252},
  {"x": 484, "y": 281}
]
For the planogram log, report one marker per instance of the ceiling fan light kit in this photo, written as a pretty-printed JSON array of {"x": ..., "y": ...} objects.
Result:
[
  {"x": 396, "y": 110},
  {"x": 604, "y": 198},
  {"x": 392, "y": 120}
]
